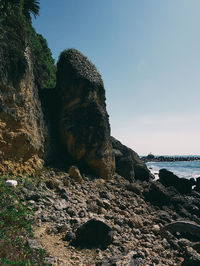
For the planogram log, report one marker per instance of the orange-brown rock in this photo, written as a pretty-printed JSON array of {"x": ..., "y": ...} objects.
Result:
[
  {"x": 22, "y": 130},
  {"x": 84, "y": 124},
  {"x": 75, "y": 174}
]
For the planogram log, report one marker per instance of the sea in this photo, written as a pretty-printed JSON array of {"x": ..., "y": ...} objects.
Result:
[{"x": 186, "y": 169}]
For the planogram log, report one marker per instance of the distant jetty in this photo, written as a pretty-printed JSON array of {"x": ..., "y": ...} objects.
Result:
[{"x": 156, "y": 158}]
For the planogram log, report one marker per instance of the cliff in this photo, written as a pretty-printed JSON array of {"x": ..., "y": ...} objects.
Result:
[{"x": 24, "y": 56}]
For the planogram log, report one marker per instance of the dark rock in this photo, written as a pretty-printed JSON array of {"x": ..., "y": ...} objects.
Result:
[
  {"x": 164, "y": 215},
  {"x": 191, "y": 257},
  {"x": 75, "y": 221},
  {"x": 183, "y": 227},
  {"x": 128, "y": 163},
  {"x": 69, "y": 236},
  {"x": 197, "y": 188},
  {"x": 64, "y": 196},
  {"x": 93, "y": 233},
  {"x": 183, "y": 185},
  {"x": 104, "y": 194},
  {"x": 136, "y": 260},
  {"x": 33, "y": 196},
  {"x": 71, "y": 211},
  {"x": 82, "y": 213},
  {"x": 64, "y": 193},
  {"x": 84, "y": 125},
  {"x": 196, "y": 246},
  {"x": 158, "y": 194}
]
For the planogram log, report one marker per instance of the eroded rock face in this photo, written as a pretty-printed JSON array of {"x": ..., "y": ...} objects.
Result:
[
  {"x": 22, "y": 129},
  {"x": 84, "y": 124},
  {"x": 128, "y": 163}
]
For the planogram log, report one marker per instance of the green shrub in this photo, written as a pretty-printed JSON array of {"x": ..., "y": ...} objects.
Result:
[
  {"x": 12, "y": 46},
  {"x": 44, "y": 67},
  {"x": 15, "y": 227},
  {"x": 16, "y": 32}
]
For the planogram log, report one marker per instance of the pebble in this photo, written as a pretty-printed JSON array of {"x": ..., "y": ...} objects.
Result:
[{"x": 11, "y": 183}]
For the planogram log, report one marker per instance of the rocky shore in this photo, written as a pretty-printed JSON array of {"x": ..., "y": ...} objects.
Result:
[
  {"x": 144, "y": 219},
  {"x": 92, "y": 200}
]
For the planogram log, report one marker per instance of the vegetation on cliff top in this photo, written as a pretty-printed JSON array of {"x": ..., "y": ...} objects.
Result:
[{"x": 17, "y": 33}]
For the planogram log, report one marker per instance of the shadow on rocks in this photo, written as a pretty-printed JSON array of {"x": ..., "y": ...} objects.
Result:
[{"x": 93, "y": 234}]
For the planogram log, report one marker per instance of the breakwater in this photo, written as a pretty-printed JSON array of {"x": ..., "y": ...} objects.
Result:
[{"x": 155, "y": 158}]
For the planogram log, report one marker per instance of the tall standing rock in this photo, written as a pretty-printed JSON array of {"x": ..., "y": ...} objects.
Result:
[{"x": 84, "y": 124}]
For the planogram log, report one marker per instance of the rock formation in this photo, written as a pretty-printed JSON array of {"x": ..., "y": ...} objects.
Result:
[
  {"x": 22, "y": 130},
  {"x": 128, "y": 163},
  {"x": 26, "y": 66},
  {"x": 83, "y": 119},
  {"x": 183, "y": 185}
]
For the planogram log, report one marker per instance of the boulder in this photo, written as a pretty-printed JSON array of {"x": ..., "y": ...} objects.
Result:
[
  {"x": 75, "y": 174},
  {"x": 191, "y": 257},
  {"x": 183, "y": 185},
  {"x": 158, "y": 195},
  {"x": 93, "y": 233},
  {"x": 197, "y": 184},
  {"x": 83, "y": 120},
  {"x": 128, "y": 163},
  {"x": 183, "y": 227}
]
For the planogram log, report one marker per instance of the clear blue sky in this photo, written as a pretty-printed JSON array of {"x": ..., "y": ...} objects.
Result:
[{"x": 148, "y": 53}]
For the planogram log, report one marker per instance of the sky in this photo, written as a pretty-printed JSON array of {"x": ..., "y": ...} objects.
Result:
[{"x": 148, "y": 53}]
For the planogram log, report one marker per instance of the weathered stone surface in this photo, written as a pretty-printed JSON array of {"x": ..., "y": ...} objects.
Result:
[
  {"x": 183, "y": 185},
  {"x": 84, "y": 125},
  {"x": 198, "y": 184},
  {"x": 191, "y": 258},
  {"x": 75, "y": 174},
  {"x": 22, "y": 129},
  {"x": 128, "y": 163},
  {"x": 157, "y": 194},
  {"x": 183, "y": 227},
  {"x": 93, "y": 233},
  {"x": 33, "y": 244},
  {"x": 136, "y": 224}
]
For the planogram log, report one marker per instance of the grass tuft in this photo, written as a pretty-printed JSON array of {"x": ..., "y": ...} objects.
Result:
[{"x": 15, "y": 228}]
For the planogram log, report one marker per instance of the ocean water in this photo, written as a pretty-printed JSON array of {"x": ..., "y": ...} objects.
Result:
[{"x": 187, "y": 169}]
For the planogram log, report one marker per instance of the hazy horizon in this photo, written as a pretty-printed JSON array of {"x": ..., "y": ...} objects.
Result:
[{"x": 148, "y": 55}]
